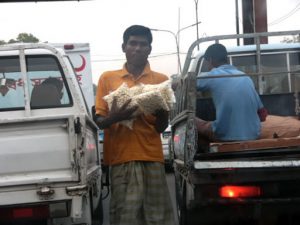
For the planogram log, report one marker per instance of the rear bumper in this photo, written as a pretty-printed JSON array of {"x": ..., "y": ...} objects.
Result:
[
  {"x": 263, "y": 211},
  {"x": 30, "y": 195}
]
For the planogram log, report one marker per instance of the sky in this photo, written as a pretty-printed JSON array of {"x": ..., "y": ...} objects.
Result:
[{"x": 102, "y": 23}]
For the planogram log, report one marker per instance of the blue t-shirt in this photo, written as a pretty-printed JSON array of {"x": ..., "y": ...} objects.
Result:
[{"x": 236, "y": 102}]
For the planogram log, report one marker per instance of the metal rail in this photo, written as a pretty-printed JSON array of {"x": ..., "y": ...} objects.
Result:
[
  {"x": 245, "y": 164},
  {"x": 217, "y": 38}
]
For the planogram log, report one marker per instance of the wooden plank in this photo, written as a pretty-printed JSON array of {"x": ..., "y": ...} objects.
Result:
[{"x": 255, "y": 144}]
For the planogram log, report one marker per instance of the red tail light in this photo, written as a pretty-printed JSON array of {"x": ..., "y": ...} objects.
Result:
[
  {"x": 68, "y": 46},
  {"x": 239, "y": 191},
  {"x": 22, "y": 213},
  {"x": 35, "y": 212}
]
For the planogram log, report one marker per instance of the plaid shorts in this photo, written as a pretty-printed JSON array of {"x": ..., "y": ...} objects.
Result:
[{"x": 140, "y": 195}]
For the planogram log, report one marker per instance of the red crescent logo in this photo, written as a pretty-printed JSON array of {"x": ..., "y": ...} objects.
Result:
[{"x": 80, "y": 68}]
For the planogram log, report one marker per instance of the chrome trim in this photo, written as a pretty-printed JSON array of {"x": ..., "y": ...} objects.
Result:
[{"x": 244, "y": 164}]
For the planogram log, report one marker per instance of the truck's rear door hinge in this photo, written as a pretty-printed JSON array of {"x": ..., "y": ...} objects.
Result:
[{"x": 77, "y": 126}]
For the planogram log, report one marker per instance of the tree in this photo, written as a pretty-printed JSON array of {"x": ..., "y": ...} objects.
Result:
[
  {"x": 22, "y": 37},
  {"x": 11, "y": 41},
  {"x": 25, "y": 37}
]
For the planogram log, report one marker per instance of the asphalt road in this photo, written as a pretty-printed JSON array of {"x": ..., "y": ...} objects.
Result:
[{"x": 171, "y": 184}]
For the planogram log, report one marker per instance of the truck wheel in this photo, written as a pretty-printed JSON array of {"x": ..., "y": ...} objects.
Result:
[
  {"x": 180, "y": 199},
  {"x": 97, "y": 214},
  {"x": 185, "y": 216}
]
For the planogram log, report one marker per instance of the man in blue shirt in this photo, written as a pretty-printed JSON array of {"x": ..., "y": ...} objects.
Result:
[{"x": 235, "y": 98}]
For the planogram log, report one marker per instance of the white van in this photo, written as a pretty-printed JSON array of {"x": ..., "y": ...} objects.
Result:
[{"x": 50, "y": 166}]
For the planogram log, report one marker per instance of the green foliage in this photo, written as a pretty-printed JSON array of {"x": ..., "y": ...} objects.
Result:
[
  {"x": 22, "y": 37},
  {"x": 11, "y": 41}
]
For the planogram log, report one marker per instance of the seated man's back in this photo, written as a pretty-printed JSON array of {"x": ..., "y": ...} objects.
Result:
[{"x": 235, "y": 98}]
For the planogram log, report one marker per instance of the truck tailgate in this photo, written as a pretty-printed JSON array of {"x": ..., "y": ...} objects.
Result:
[{"x": 35, "y": 152}]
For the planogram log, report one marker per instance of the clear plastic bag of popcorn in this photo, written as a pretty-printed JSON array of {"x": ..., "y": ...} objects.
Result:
[
  {"x": 122, "y": 95},
  {"x": 148, "y": 98},
  {"x": 151, "y": 101},
  {"x": 137, "y": 89},
  {"x": 166, "y": 91}
]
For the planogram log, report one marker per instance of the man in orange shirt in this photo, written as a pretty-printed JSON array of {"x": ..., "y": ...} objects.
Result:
[{"x": 139, "y": 192}]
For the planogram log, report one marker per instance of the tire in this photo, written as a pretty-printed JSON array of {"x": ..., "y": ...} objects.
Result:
[
  {"x": 185, "y": 216},
  {"x": 180, "y": 199}
]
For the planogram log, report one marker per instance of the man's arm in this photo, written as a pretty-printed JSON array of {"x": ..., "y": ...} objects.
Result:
[
  {"x": 115, "y": 115},
  {"x": 162, "y": 120}
]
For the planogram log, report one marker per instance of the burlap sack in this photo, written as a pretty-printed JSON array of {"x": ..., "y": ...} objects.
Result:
[{"x": 280, "y": 127}]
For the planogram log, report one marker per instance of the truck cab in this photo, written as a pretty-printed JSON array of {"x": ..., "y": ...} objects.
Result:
[{"x": 50, "y": 160}]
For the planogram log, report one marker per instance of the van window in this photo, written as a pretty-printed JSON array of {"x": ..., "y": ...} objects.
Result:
[
  {"x": 277, "y": 69},
  {"x": 279, "y": 81},
  {"x": 46, "y": 83},
  {"x": 11, "y": 91},
  {"x": 295, "y": 66},
  {"x": 247, "y": 64},
  {"x": 271, "y": 63}
]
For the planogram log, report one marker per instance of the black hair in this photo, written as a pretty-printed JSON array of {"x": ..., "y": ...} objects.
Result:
[
  {"x": 54, "y": 81},
  {"x": 216, "y": 52},
  {"x": 137, "y": 30}
]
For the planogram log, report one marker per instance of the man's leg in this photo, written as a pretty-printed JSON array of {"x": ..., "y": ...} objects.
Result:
[
  {"x": 126, "y": 194},
  {"x": 157, "y": 205},
  {"x": 205, "y": 134},
  {"x": 204, "y": 128}
]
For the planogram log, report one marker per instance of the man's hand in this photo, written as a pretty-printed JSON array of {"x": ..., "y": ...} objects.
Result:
[
  {"x": 262, "y": 113},
  {"x": 116, "y": 114},
  {"x": 162, "y": 120},
  {"x": 122, "y": 113}
]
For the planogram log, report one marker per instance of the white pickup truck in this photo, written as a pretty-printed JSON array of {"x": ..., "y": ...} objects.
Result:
[
  {"x": 240, "y": 182},
  {"x": 50, "y": 166}
]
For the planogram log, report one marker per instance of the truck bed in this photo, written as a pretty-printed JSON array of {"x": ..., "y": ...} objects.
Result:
[{"x": 276, "y": 132}]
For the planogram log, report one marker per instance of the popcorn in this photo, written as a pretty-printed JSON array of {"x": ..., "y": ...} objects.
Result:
[
  {"x": 148, "y": 98},
  {"x": 122, "y": 95},
  {"x": 151, "y": 101},
  {"x": 166, "y": 91}
]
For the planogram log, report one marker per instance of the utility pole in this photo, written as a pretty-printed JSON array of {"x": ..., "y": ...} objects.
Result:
[
  {"x": 197, "y": 21},
  {"x": 178, "y": 43},
  {"x": 237, "y": 20},
  {"x": 176, "y": 38},
  {"x": 254, "y": 19}
]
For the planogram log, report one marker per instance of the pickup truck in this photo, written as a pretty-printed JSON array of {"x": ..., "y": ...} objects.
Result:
[
  {"x": 50, "y": 166},
  {"x": 165, "y": 140},
  {"x": 246, "y": 182}
]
